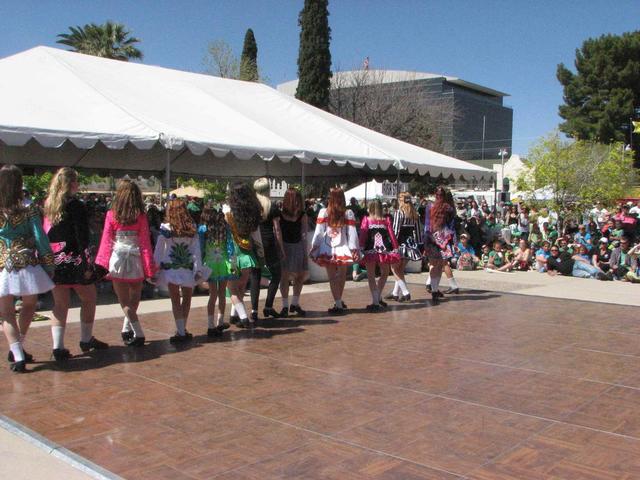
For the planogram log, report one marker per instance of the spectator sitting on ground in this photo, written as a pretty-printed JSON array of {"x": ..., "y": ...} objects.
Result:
[
  {"x": 484, "y": 258},
  {"x": 522, "y": 256},
  {"x": 583, "y": 251},
  {"x": 595, "y": 233},
  {"x": 535, "y": 238},
  {"x": 563, "y": 263},
  {"x": 582, "y": 237},
  {"x": 633, "y": 275},
  {"x": 620, "y": 259},
  {"x": 602, "y": 256},
  {"x": 618, "y": 231},
  {"x": 542, "y": 255},
  {"x": 465, "y": 258},
  {"x": 563, "y": 243},
  {"x": 497, "y": 258}
]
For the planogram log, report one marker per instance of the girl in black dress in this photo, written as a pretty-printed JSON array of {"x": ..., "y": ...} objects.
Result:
[
  {"x": 273, "y": 251},
  {"x": 67, "y": 226}
]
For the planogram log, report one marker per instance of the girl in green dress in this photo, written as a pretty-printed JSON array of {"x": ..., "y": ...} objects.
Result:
[
  {"x": 218, "y": 252},
  {"x": 244, "y": 219}
]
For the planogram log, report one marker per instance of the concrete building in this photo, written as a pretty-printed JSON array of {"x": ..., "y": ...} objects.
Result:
[{"x": 473, "y": 122}]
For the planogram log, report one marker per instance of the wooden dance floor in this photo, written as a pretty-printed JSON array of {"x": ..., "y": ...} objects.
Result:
[{"x": 483, "y": 386}]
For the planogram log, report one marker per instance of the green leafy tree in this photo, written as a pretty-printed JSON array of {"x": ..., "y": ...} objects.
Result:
[
  {"x": 38, "y": 184},
  {"x": 249, "y": 58},
  {"x": 314, "y": 57},
  {"x": 213, "y": 191},
  {"x": 109, "y": 40},
  {"x": 600, "y": 96},
  {"x": 579, "y": 173}
]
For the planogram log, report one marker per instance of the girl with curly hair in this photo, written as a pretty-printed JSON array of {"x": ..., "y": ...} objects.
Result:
[
  {"x": 26, "y": 264},
  {"x": 335, "y": 245},
  {"x": 244, "y": 220},
  {"x": 67, "y": 225},
  {"x": 178, "y": 255},
  {"x": 218, "y": 253},
  {"x": 125, "y": 252},
  {"x": 439, "y": 238}
]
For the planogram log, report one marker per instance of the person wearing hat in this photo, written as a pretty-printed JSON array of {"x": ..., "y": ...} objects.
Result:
[
  {"x": 602, "y": 256},
  {"x": 465, "y": 258}
]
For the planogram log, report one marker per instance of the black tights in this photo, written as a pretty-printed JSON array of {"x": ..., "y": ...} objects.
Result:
[{"x": 256, "y": 275}]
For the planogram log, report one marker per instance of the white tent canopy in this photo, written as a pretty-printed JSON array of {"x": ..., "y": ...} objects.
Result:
[
  {"x": 64, "y": 108},
  {"x": 373, "y": 189}
]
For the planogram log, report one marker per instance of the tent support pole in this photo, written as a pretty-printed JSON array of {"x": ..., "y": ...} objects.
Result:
[
  {"x": 167, "y": 172},
  {"x": 302, "y": 180}
]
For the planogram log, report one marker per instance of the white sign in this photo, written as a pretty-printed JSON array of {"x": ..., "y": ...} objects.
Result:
[
  {"x": 390, "y": 189},
  {"x": 278, "y": 189}
]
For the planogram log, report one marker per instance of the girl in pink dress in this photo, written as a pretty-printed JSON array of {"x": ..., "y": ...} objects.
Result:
[
  {"x": 125, "y": 251},
  {"x": 380, "y": 249}
]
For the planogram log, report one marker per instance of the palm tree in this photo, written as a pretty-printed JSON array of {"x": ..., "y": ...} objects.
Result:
[{"x": 110, "y": 40}]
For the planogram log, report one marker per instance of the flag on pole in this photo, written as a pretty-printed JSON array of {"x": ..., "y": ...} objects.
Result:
[{"x": 636, "y": 126}]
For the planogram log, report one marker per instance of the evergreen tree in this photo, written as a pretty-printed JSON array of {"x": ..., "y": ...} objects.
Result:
[
  {"x": 314, "y": 57},
  {"x": 600, "y": 97},
  {"x": 249, "y": 58}
]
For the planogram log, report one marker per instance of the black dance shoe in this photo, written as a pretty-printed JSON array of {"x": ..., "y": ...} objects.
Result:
[
  {"x": 383, "y": 304},
  {"x": 428, "y": 285},
  {"x": 135, "y": 342},
  {"x": 177, "y": 338},
  {"x": 60, "y": 355},
  {"x": 27, "y": 356},
  {"x": 284, "y": 313},
  {"x": 93, "y": 344},
  {"x": 391, "y": 296},
  {"x": 452, "y": 290},
  {"x": 19, "y": 367},
  {"x": 297, "y": 310},
  {"x": 269, "y": 312},
  {"x": 373, "y": 308},
  {"x": 435, "y": 298},
  {"x": 404, "y": 298},
  {"x": 126, "y": 336},
  {"x": 234, "y": 319}
]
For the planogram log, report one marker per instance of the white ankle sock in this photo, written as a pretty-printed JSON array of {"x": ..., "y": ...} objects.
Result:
[
  {"x": 211, "y": 321},
  {"x": 403, "y": 287},
  {"x": 396, "y": 289},
  {"x": 435, "y": 282},
  {"x": 295, "y": 300},
  {"x": 57, "y": 334},
  {"x": 240, "y": 310},
  {"x": 180, "y": 327},
  {"x": 428, "y": 282},
  {"x": 16, "y": 349},
  {"x": 453, "y": 283},
  {"x": 285, "y": 302},
  {"x": 233, "y": 312},
  {"x": 137, "y": 329},
  {"x": 86, "y": 331},
  {"x": 220, "y": 319},
  {"x": 126, "y": 325}
]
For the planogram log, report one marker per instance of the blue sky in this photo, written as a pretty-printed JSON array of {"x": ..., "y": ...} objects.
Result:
[{"x": 511, "y": 46}]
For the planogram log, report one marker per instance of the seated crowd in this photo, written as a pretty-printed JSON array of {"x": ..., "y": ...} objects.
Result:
[{"x": 604, "y": 246}]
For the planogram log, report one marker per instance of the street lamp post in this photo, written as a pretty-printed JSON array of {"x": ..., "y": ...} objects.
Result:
[{"x": 502, "y": 153}]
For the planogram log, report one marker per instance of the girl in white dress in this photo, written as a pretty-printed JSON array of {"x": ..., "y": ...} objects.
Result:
[
  {"x": 178, "y": 255},
  {"x": 26, "y": 263},
  {"x": 335, "y": 245}
]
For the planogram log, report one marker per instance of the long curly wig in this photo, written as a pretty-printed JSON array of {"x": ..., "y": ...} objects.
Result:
[
  {"x": 337, "y": 208},
  {"x": 245, "y": 208},
  {"x": 127, "y": 202},
  {"x": 216, "y": 224},
  {"x": 178, "y": 217},
  {"x": 10, "y": 189},
  {"x": 441, "y": 210}
]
